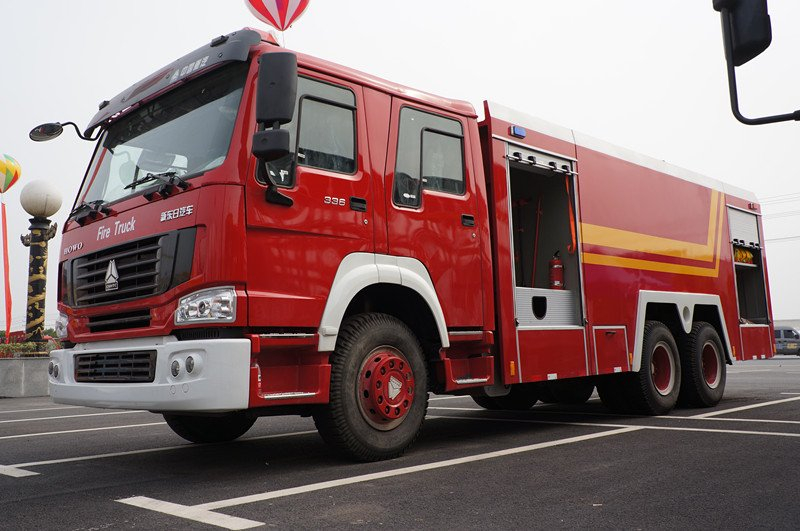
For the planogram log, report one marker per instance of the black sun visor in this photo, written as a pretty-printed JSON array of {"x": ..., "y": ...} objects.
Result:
[{"x": 232, "y": 47}]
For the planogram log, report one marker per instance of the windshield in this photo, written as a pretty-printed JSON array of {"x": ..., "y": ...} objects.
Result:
[{"x": 187, "y": 131}]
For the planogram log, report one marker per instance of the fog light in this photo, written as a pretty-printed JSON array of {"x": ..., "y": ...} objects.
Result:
[
  {"x": 55, "y": 371},
  {"x": 50, "y": 368},
  {"x": 189, "y": 364},
  {"x": 176, "y": 368}
]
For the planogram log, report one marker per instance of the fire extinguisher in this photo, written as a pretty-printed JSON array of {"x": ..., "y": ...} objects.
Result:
[{"x": 556, "y": 272}]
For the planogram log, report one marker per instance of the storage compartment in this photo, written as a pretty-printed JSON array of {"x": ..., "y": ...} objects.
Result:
[
  {"x": 750, "y": 289},
  {"x": 543, "y": 224}
]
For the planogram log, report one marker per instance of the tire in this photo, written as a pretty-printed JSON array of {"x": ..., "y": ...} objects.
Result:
[
  {"x": 210, "y": 429},
  {"x": 704, "y": 367},
  {"x": 654, "y": 389},
  {"x": 379, "y": 389},
  {"x": 521, "y": 397},
  {"x": 572, "y": 391}
]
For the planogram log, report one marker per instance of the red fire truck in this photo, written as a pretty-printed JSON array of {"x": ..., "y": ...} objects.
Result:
[{"x": 260, "y": 232}]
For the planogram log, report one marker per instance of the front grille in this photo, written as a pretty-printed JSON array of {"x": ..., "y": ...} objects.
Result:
[
  {"x": 119, "y": 321},
  {"x": 116, "y": 367},
  {"x": 143, "y": 268},
  {"x": 137, "y": 264}
]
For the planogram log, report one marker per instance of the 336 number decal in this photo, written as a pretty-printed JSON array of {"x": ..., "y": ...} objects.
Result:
[{"x": 335, "y": 201}]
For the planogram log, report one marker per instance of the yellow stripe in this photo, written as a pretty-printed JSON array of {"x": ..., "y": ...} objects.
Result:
[
  {"x": 664, "y": 267},
  {"x": 646, "y": 243}
]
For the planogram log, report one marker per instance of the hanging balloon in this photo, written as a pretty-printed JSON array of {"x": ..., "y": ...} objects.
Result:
[
  {"x": 9, "y": 173},
  {"x": 279, "y": 14}
]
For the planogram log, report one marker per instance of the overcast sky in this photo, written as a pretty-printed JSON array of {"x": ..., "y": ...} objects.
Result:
[{"x": 633, "y": 72}]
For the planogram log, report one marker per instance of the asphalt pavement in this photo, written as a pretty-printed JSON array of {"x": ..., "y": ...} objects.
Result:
[{"x": 732, "y": 466}]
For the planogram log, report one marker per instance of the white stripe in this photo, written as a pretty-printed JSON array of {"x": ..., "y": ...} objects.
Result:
[
  {"x": 192, "y": 513},
  {"x": 40, "y": 409},
  {"x": 408, "y": 470},
  {"x": 790, "y": 393},
  {"x": 292, "y": 9},
  {"x": 272, "y": 8},
  {"x": 71, "y": 416},
  {"x": 744, "y": 408},
  {"x": 19, "y": 466},
  {"x": 15, "y": 472},
  {"x": 599, "y": 425},
  {"x": 25, "y": 435},
  {"x": 452, "y": 397}
]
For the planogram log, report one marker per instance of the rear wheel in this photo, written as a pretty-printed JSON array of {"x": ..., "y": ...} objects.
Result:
[
  {"x": 378, "y": 395},
  {"x": 520, "y": 397},
  {"x": 704, "y": 368},
  {"x": 654, "y": 389},
  {"x": 210, "y": 429}
]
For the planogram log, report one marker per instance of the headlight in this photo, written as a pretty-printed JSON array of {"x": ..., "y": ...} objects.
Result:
[
  {"x": 207, "y": 306},
  {"x": 61, "y": 326}
]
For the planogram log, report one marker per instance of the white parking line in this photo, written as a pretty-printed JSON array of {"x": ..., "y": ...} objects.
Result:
[
  {"x": 204, "y": 513},
  {"x": 19, "y": 470},
  {"x": 38, "y": 409},
  {"x": 73, "y": 416},
  {"x": 744, "y": 408},
  {"x": 790, "y": 393},
  {"x": 445, "y": 398},
  {"x": 25, "y": 435},
  {"x": 673, "y": 417}
]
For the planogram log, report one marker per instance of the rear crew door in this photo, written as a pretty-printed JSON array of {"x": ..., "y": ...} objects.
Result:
[{"x": 431, "y": 206}]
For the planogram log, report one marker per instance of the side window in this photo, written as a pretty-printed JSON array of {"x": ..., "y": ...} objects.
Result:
[
  {"x": 325, "y": 116},
  {"x": 430, "y": 156},
  {"x": 778, "y": 334}
]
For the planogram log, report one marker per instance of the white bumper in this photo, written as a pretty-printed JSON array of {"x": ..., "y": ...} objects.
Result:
[{"x": 220, "y": 380}]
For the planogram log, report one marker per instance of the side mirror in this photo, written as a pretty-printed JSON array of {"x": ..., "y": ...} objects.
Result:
[
  {"x": 271, "y": 144},
  {"x": 44, "y": 132},
  {"x": 746, "y": 32},
  {"x": 749, "y": 25},
  {"x": 276, "y": 90},
  {"x": 276, "y": 94}
]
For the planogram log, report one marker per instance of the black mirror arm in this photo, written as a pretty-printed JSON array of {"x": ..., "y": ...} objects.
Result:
[
  {"x": 728, "y": 40},
  {"x": 80, "y": 135}
]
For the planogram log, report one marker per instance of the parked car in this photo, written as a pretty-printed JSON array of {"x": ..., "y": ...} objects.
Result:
[{"x": 787, "y": 340}]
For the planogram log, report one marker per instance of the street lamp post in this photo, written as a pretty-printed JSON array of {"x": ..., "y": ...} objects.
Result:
[{"x": 40, "y": 201}]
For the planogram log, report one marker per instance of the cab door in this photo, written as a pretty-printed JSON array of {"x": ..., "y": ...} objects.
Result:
[
  {"x": 319, "y": 211},
  {"x": 431, "y": 206}
]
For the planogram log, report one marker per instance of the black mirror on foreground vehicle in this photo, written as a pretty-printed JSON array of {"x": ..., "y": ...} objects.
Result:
[
  {"x": 749, "y": 25},
  {"x": 276, "y": 93},
  {"x": 746, "y": 32}
]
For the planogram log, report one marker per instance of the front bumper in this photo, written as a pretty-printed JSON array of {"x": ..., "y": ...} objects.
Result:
[{"x": 219, "y": 382}]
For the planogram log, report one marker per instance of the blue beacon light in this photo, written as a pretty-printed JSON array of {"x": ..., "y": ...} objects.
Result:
[{"x": 518, "y": 131}]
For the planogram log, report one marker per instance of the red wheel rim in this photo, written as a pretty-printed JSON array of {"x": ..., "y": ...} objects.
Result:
[
  {"x": 712, "y": 369},
  {"x": 662, "y": 369},
  {"x": 386, "y": 388}
]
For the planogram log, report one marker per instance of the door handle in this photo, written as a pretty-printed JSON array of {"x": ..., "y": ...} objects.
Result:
[
  {"x": 359, "y": 204},
  {"x": 467, "y": 220}
]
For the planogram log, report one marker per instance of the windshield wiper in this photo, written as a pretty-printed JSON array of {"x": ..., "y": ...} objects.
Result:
[
  {"x": 169, "y": 178},
  {"x": 89, "y": 209}
]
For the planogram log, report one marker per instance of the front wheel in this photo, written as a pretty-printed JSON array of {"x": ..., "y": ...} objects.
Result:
[
  {"x": 378, "y": 395},
  {"x": 210, "y": 429}
]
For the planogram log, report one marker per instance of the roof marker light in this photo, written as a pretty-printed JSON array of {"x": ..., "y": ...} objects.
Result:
[{"x": 518, "y": 131}]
